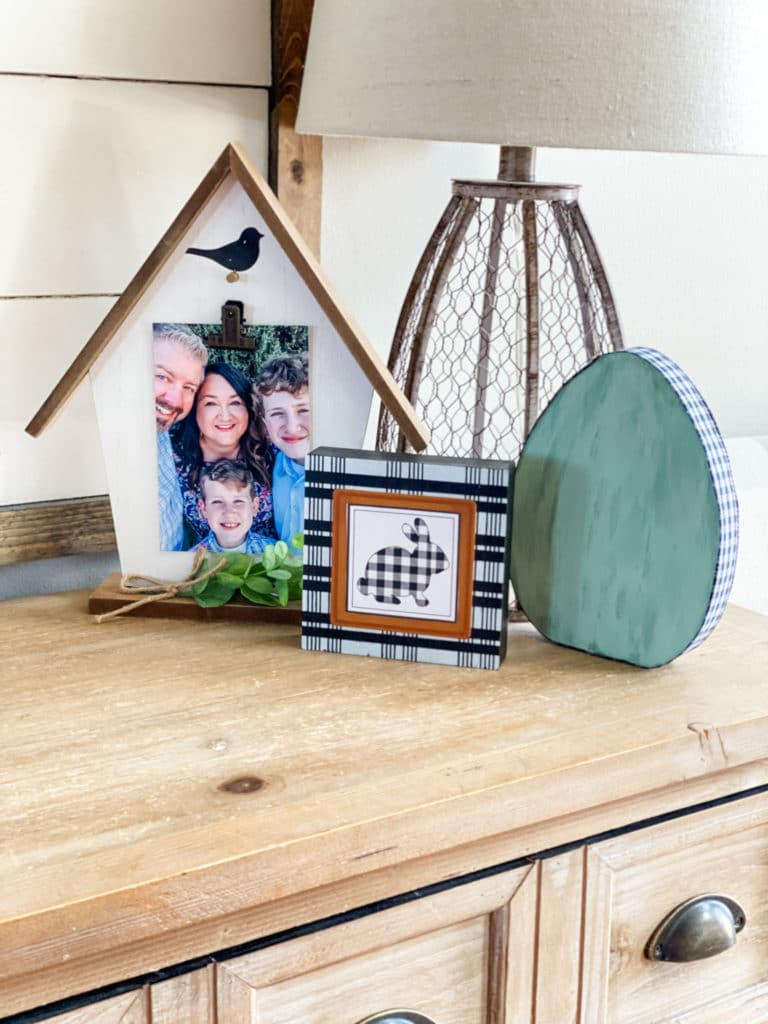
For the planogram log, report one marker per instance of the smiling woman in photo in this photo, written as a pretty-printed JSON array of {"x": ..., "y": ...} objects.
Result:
[
  {"x": 221, "y": 426},
  {"x": 221, "y": 414}
]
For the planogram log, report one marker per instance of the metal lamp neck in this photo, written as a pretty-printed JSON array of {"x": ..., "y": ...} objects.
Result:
[
  {"x": 516, "y": 163},
  {"x": 515, "y": 181}
]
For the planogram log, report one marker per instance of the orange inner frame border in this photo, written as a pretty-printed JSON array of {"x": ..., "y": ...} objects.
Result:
[{"x": 465, "y": 508}]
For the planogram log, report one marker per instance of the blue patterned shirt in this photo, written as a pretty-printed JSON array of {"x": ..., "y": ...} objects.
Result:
[
  {"x": 171, "y": 506},
  {"x": 253, "y": 544},
  {"x": 288, "y": 496}
]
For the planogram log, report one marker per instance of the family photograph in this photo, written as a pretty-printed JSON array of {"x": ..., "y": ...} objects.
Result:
[{"x": 233, "y": 433}]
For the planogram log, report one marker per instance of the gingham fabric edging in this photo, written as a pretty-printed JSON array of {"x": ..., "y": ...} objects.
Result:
[{"x": 722, "y": 479}]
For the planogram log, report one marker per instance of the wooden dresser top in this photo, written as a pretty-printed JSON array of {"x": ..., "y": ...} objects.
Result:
[{"x": 169, "y": 778}]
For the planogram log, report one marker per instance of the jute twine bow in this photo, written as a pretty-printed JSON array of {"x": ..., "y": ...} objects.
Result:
[{"x": 154, "y": 589}]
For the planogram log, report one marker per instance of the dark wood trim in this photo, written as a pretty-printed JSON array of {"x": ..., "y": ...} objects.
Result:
[
  {"x": 50, "y": 529},
  {"x": 295, "y": 161}
]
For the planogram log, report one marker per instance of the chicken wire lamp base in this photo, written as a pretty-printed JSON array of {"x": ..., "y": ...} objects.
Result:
[{"x": 509, "y": 300}]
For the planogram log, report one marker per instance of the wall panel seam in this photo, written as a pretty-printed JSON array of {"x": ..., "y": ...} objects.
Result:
[
  {"x": 61, "y": 295},
  {"x": 139, "y": 81}
]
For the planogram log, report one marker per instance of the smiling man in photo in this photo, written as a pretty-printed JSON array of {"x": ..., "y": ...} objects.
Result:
[{"x": 179, "y": 360}]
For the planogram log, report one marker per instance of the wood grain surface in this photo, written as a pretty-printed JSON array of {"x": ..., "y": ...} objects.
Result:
[
  {"x": 638, "y": 880},
  {"x": 561, "y": 903},
  {"x": 50, "y": 529},
  {"x": 431, "y": 956},
  {"x": 130, "y": 1008},
  {"x": 170, "y": 789},
  {"x": 188, "y": 999}
]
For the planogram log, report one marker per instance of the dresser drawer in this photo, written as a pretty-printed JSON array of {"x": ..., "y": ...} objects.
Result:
[
  {"x": 463, "y": 956},
  {"x": 636, "y": 880}
]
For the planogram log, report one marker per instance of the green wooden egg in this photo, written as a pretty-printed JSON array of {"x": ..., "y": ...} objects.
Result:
[{"x": 625, "y": 522}]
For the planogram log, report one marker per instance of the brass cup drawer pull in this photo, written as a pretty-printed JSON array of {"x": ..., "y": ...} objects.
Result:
[
  {"x": 397, "y": 1017},
  {"x": 701, "y": 927}
]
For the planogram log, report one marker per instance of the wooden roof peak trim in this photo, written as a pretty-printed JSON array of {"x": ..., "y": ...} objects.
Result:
[{"x": 234, "y": 160}]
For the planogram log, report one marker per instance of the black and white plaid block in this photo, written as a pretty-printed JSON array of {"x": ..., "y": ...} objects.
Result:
[
  {"x": 722, "y": 481},
  {"x": 398, "y": 577}
]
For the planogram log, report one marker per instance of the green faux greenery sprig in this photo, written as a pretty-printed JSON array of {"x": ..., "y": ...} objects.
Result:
[{"x": 271, "y": 578}]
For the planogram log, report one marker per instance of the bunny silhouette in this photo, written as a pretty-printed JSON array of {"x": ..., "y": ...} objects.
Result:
[{"x": 394, "y": 572}]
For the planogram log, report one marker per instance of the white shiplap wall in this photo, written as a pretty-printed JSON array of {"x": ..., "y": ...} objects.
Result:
[
  {"x": 226, "y": 42},
  {"x": 109, "y": 116}
]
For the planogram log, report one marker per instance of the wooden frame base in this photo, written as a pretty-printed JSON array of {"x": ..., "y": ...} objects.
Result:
[{"x": 108, "y": 597}]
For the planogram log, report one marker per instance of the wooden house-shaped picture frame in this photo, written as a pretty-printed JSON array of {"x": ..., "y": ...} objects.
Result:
[{"x": 285, "y": 286}]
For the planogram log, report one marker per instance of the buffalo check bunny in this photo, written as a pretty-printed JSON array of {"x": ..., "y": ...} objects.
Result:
[{"x": 395, "y": 572}]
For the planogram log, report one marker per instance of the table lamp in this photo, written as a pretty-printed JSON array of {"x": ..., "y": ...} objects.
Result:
[{"x": 510, "y": 297}]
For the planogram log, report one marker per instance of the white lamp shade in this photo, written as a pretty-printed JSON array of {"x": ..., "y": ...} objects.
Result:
[{"x": 663, "y": 75}]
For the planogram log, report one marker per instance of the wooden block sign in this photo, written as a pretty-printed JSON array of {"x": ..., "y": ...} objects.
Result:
[{"x": 405, "y": 557}]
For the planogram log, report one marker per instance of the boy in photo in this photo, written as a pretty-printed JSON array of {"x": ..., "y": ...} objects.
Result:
[
  {"x": 281, "y": 397},
  {"x": 228, "y": 503}
]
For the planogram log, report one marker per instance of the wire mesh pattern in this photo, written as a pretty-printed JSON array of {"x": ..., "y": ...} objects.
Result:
[{"x": 508, "y": 302}]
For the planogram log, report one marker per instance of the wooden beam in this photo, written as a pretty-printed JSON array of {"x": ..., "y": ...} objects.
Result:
[
  {"x": 296, "y": 161},
  {"x": 53, "y": 528}
]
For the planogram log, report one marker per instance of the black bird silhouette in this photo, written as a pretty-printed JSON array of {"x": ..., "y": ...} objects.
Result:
[{"x": 239, "y": 255}]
